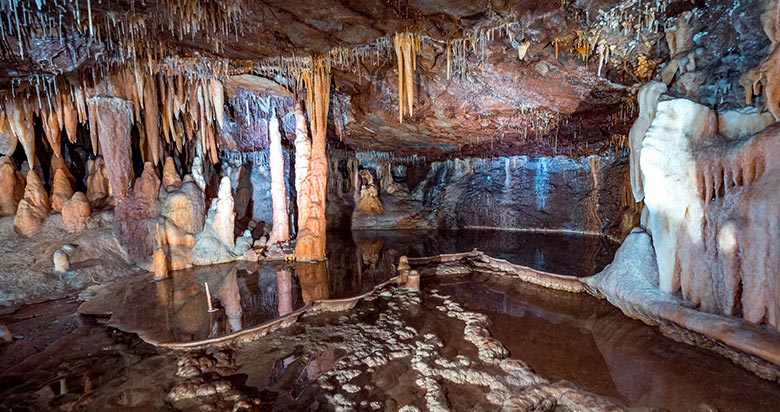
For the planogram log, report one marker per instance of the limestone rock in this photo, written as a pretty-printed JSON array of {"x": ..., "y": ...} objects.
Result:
[
  {"x": 75, "y": 213},
  {"x": 61, "y": 190},
  {"x": 135, "y": 217},
  {"x": 5, "y": 334},
  {"x": 33, "y": 208},
  {"x": 170, "y": 175},
  {"x": 197, "y": 173},
  {"x": 185, "y": 208},
  {"x": 11, "y": 187}
]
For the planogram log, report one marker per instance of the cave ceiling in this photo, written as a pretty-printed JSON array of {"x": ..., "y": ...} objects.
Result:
[{"x": 492, "y": 77}]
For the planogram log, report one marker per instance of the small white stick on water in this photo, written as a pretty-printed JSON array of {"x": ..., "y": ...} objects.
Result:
[{"x": 208, "y": 297}]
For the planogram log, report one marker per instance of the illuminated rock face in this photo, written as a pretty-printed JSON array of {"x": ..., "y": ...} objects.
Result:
[{"x": 590, "y": 193}]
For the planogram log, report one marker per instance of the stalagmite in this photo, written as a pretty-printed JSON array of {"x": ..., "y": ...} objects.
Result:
[
  {"x": 648, "y": 100},
  {"x": 75, "y": 213},
  {"x": 281, "y": 221},
  {"x": 312, "y": 197},
  {"x": 61, "y": 262},
  {"x": 114, "y": 119},
  {"x": 302, "y": 147},
  {"x": 224, "y": 215},
  {"x": 97, "y": 182},
  {"x": 171, "y": 177},
  {"x": 33, "y": 208},
  {"x": 11, "y": 187},
  {"x": 61, "y": 190},
  {"x": 369, "y": 195}
]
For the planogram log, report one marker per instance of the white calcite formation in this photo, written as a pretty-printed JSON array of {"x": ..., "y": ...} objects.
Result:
[
  {"x": 281, "y": 224},
  {"x": 217, "y": 243},
  {"x": 712, "y": 209},
  {"x": 648, "y": 100}
]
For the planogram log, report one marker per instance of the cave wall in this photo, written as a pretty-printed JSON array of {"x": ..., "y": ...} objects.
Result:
[{"x": 588, "y": 194}]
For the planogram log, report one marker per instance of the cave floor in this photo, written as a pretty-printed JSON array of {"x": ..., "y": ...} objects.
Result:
[{"x": 395, "y": 349}]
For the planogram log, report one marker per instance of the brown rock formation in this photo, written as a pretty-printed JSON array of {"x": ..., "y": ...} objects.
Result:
[
  {"x": 312, "y": 197},
  {"x": 11, "y": 187},
  {"x": 33, "y": 208},
  {"x": 75, "y": 213}
]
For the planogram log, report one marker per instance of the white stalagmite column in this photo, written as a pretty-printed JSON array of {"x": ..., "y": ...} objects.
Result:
[
  {"x": 302, "y": 148},
  {"x": 281, "y": 229}
]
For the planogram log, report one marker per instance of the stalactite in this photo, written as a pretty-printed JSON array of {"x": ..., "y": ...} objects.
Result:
[
  {"x": 407, "y": 45},
  {"x": 281, "y": 221},
  {"x": 52, "y": 131},
  {"x": 312, "y": 197},
  {"x": 113, "y": 117},
  {"x": 20, "y": 122},
  {"x": 152, "y": 120},
  {"x": 8, "y": 139}
]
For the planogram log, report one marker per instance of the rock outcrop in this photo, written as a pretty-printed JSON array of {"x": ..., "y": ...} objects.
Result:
[{"x": 11, "y": 187}]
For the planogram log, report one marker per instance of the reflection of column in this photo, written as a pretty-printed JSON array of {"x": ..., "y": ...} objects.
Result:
[
  {"x": 284, "y": 290},
  {"x": 313, "y": 278},
  {"x": 165, "y": 298},
  {"x": 230, "y": 296}
]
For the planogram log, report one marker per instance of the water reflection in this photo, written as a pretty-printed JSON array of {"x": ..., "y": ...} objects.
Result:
[
  {"x": 246, "y": 295},
  {"x": 562, "y": 253},
  {"x": 592, "y": 344}
]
